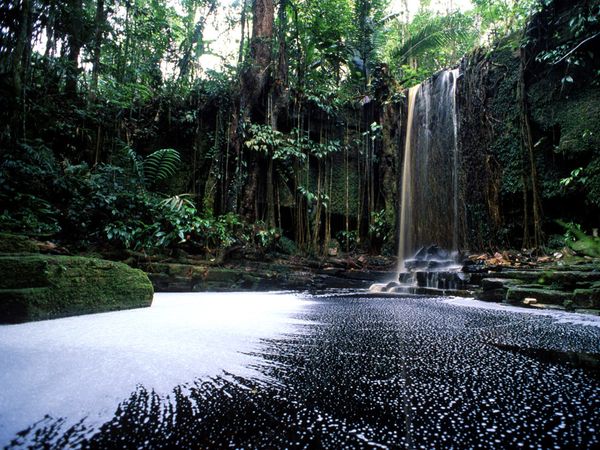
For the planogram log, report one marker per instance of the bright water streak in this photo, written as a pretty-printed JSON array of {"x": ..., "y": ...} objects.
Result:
[
  {"x": 406, "y": 189},
  {"x": 85, "y": 366}
]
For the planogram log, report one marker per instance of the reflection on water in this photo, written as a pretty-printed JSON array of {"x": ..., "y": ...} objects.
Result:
[{"x": 354, "y": 371}]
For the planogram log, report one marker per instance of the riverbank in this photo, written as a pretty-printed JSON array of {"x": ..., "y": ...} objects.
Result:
[
  {"x": 563, "y": 281},
  {"x": 272, "y": 272}
]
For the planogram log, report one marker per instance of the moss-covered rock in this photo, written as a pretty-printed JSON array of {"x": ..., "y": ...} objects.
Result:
[
  {"x": 550, "y": 296},
  {"x": 587, "y": 298},
  {"x": 14, "y": 243},
  {"x": 495, "y": 289},
  {"x": 37, "y": 287}
]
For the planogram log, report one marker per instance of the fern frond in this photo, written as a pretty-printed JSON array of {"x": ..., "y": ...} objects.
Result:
[
  {"x": 161, "y": 165},
  {"x": 437, "y": 34}
]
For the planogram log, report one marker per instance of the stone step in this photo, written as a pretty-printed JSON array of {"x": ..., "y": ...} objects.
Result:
[
  {"x": 414, "y": 264},
  {"x": 570, "y": 277},
  {"x": 415, "y": 290},
  {"x": 542, "y": 295}
]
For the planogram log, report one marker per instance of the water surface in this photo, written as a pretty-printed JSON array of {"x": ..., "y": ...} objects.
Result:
[{"x": 297, "y": 370}]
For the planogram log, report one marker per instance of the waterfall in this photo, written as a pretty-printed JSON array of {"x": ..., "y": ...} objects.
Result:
[
  {"x": 406, "y": 191},
  {"x": 430, "y": 212}
]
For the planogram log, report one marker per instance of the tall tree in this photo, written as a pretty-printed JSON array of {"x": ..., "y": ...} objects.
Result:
[
  {"x": 23, "y": 41},
  {"x": 99, "y": 26},
  {"x": 75, "y": 42},
  {"x": 256, "y": 76},
  {"x": 254, "y": 90},
  {"x": 194, "y": 25}
]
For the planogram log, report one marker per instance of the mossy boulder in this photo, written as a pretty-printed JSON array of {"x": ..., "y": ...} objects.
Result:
[
  {"x": 495, "y": 289},
  {"x": 14, "y": 243},
  {"x": 587, "y": 298},
  {"x": 37, "y": 287}
]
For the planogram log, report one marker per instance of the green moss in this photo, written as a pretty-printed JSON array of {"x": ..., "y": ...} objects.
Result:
[
  {"x": 14, "y": 243},
  {"x": 578, "y": 117},
  {"x": 222, "y": 275},
  {"x": 504, "y": 108},
  {"x": 37, "y": 287},
  {"x": 541, "y": 294},
  {"x": 573, "y": 121},
  {"x": 180, "y": 270},
  {"x": 587, "y": 298},
  {"x": 23, "y": 272}
]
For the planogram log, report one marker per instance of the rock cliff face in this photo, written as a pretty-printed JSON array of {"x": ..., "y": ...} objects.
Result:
[
  {"x": 529, "y": 118},
  {"x": 37, "y": 287}
]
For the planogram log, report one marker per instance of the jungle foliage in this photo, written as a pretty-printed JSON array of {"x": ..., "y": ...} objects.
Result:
[{"x": 115, "y": 131}]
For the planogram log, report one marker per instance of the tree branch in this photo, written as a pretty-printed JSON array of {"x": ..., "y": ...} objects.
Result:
[{"x": 576, "y": 47}]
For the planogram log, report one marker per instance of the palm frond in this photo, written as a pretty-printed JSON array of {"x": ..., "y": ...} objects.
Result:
[{"x": 437, "y": 34}]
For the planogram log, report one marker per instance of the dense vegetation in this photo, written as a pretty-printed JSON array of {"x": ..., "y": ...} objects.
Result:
[{"x": 115, "y": 134}]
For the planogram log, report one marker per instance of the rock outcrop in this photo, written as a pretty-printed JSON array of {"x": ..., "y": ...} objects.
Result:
[{"x": 37, "y": 287}]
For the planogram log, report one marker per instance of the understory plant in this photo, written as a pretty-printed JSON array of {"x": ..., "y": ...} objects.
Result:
[
  {"x": 106, "y": 204},
  {"x": 579, "y": 241}
]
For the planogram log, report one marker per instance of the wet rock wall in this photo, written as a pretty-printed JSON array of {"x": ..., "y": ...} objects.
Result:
[{"x": 556, "y": 60}]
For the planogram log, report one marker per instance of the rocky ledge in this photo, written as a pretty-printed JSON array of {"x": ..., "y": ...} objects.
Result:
[
  {"x": 568, "y": 287},
  {"x": 563, "y": 281},
  {"x": 186, "y": 275},
  {"x": 37, "y": 286}
]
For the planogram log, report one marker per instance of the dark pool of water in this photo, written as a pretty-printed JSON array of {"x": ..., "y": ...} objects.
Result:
[{"x": 333, "y": 370}]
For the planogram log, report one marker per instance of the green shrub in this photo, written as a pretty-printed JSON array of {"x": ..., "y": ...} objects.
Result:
[
  {"x": 579, "y": 241},
  {"x": 349, "y": 240}
]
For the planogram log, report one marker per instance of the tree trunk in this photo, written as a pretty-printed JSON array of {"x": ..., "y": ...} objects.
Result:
[
  {"x": 262, "y": 34},
  {"x": 193, "y": 37},
  {"x": 254, "y": 89},
  {"x": 282, "y": 66},
  {"x": 242, "y": 38},
  {"x": 526, "y": 133},
  {"x": 74, "y": 46},
  {"x": 255, "y": 78},
  {"x": 235, "y": 146},
  {"x": 98, "y": 36},
  {"x": 278, "y": 103},
  {"x": 251, "y": 187},
  {"x": 270, "y": 219},
  {"x": 50, "y": 42},
  {"x": 21, "y": 44}
]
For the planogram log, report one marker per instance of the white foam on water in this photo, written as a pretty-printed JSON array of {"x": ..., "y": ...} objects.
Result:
[
  {"x": 557, "y": 315},
  {"x": 85, "y": 366}
]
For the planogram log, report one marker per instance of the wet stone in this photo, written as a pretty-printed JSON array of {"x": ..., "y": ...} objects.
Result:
[{"x": 542, "y": 295}]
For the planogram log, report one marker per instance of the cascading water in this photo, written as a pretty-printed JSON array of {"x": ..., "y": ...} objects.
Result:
[
  {"x": 430, "y": 207},
  {"x": 407, "y": 183}
]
